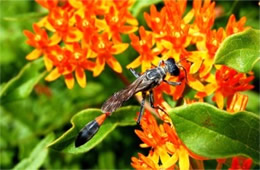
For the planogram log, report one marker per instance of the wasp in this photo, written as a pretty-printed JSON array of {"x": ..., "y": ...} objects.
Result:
[{"x": 144, "y": 83}]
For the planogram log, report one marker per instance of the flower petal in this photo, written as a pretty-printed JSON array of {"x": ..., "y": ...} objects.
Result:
[
  {"x": 219, "y": 98},
  {"x": 81, "y": 77},
  {"x": 48, "y": 63},
  {"x": 36, "y": 53},
  {"x": 135, "y": 63},
  {"x": 170, "y": 162},
  {"x": 184, "y": 162},
  {"x": 99, "y": 66},
  {"x": 53, "y": 75},
  {"x": 119, "y": 48},
  {"x": 188, "y": 17},
  {"x": 69, "y": 80},
  {"x": 55, "y": 39},
  {"x": 114, "y": 64}
]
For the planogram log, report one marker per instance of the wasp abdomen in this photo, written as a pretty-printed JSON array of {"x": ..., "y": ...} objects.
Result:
[{"x": 87, "y": 133}]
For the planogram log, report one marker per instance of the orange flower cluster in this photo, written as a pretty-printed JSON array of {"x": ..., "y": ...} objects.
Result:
[
  {"x": 166, "y": 148},
  {"x": 190, "y": 40},
  {"x": 79, "y": 35},
  {"x": 173, "y": 35}
]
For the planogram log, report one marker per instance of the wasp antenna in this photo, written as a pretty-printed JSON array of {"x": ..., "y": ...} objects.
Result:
[
  {"x": 89, "y": 130},
  {"x": 186, "y": 78}
]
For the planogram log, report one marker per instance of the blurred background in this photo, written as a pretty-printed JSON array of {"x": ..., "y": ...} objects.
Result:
[{"x": 49, "y": 108}]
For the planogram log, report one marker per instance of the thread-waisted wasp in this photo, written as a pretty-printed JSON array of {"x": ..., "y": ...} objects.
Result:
[{"x": 144, "y": 83}]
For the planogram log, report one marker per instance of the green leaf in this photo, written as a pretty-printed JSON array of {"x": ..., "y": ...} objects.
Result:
[
  {"x": 240, "y": 51},
  {"x": 38, "y": 155},
  {"x": 214, "y": 133},
  {"x": 141, "y": 4},
  {"x": 21, "y": 86},
  {"x": 122, "y": 117}
]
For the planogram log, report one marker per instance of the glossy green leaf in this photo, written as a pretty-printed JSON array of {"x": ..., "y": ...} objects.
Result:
[
  {"x": 214, "y": 133},
  {"x": 240, "y": 51},
  {"x": 38, "y": 155},
  {"x": 122, "y": 117},
  {"x": 21, "y": 86}
]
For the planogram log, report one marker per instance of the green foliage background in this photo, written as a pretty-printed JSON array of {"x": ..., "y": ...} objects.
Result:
[{"x": 28, "y": 123}]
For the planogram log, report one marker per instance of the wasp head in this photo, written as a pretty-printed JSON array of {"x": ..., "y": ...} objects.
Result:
[{"x": 172, "y": 67}]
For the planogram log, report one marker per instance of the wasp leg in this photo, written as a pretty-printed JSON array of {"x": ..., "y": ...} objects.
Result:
[
  {"x": 151, "y": 99},
  {"x": 160, "y": 63},
  {"x": 172, "y": 83},
  {"x": 134, "y": 73},
  {"x": 142, "y": 108}
]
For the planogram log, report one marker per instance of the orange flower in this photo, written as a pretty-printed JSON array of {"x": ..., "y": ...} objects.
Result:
[
  {"x": 59, "y": 20},
  {"x": 80, "y": 63},
  {"x": 235, "y": 27},
  {"x": 67, "y": 60},
  {"x": 166, "y": 147},
  {"x": 237, "y": 103},
  {"x": 40, "y": 42},
  {"x": 156, "y": 21},
  {"x": 116, "y": 20},
  {"x": 105, "y": 49},
  {"x": 144, "y": 47},
  {"x": 204, "y": 15},
  {"x": 229, "y": 82},
  {"x": 241, "y": 164}
]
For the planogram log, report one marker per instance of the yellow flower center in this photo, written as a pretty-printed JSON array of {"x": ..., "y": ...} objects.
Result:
[
  {"x": 101, "y": 45},
  {"x": 115, "y": 19},
  {"x": 157, "y": 19},
  {"x": 77, "y": 55},
  {"x": 59, "y": 22},
  {"x": 214, "y": 42},
  {"x": 60, "y": 57},
  {"x": 85, "y": 23},
  {"x": 142, "y": 42},
  {"x": 37, "y": 38},
  {"x": 205, "y": 19},
  {"x": 177, "y": 34}
]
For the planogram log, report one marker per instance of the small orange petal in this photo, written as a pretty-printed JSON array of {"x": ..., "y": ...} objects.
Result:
[
  {"x": 77, "y": 35},
  {"x": 132, "y": 21},
  {"x": 219, "y": 98},
  {"x": 99, "y": 66},
  {"x": 164, "y": 156},
  {"x": 69, "y": 80},
  {"x": 119, "y": 48},
  {"x": 129, "y": 29},
  {"x": 101, "y": 24},
  {"x": 114, "y": 64},
  {"x": 76, "y": 4},
  {"x": 55, "y": 39},
  {"x": 195, "y": 84},
  {"x": 170, "y": 162},
  {"x": 208, "y": 64},
  {"x": 184, "y": 162},
  {"x": 135, "y": 63},
  {"x": 188, "y": 17},
  {"x": 48, "y": 63},
  {"x": 145, "y": 66},
  {"x": 53, "y": 75},
  {"x": 195, "y": 66},
  {"x": 81, "y": 77},
  {"x": 36, "y": 53}
]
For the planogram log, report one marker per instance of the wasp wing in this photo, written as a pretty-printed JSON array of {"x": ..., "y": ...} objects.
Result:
[{"x": 118, "y": 98}]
